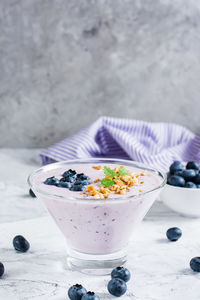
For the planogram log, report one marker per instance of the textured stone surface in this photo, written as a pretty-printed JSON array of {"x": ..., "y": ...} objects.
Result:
[{"x": 64, "y": 63}]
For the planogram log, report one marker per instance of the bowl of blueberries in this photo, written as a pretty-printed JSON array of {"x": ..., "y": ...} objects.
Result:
[{"x": 182, "y": 191}]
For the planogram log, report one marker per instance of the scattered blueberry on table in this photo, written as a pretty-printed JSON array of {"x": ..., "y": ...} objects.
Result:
[
  {"x": 20, "y": 243},
  {"x": 90, "y": 296},
  {"x": 195, "y": 264},
  {"x": 122, "y": 273},
  {"x": 31, "y": 193},
  {"x": 117, "y": 287},
  {"x": 70, "y": 180},
  {"x": 187, "y": 177},
  {"x": 76, "y": 292},
  {"x": 1, "y": 269},
  {"x": 173, "y": 234}
]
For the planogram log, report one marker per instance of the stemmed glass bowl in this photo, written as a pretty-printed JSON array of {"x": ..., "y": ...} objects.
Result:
[{"x": 97, "y": 231}]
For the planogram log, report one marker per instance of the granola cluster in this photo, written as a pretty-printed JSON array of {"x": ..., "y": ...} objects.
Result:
[{"x": 121, "y": 184}]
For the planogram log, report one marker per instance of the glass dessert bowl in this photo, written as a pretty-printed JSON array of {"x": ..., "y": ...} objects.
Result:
[{"x": 98, "y": 230}]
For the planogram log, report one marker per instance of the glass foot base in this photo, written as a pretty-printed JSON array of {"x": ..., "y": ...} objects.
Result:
[{"x": 95, "y": 264}]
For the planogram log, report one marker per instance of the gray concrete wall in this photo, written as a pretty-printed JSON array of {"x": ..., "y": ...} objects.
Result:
[{"x": 63, "y": 63}]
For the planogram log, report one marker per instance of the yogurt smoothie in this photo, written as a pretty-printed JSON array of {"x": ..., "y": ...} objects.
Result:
[{"x": 93, "y": 225}]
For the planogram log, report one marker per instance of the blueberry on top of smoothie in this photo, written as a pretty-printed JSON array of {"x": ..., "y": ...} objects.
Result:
[
  {"x": 80, "y": 181},
  {"x": 76, "y": 292},
  {"x": 67, "y": 179},
  {"x": 52, "y": 181},
  {"x": 69, "y": 173},
  {"x": 64, "y": 184},
  {"x": 82, "y": 176},
  {"x": 77, "y": 188}
]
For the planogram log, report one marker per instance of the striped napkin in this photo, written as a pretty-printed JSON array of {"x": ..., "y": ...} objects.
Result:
[{"x": 155, "y": 144}]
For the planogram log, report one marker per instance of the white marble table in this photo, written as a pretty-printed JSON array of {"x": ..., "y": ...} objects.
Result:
[{"x": 160, "y": 269}]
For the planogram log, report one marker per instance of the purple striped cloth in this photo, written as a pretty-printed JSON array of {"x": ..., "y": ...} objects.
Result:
[{"x": 155, "y": 144}]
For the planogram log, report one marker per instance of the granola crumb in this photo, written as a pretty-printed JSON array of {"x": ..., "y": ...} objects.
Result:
[
  {"x": 116, "y": 169},
  {"x": 97, "y": 180},
  {"x": 91, "y": 190},
  {"x": 144, "y": 173},
  {"x": 122, "y": 184},
  {"x": 97, "y": 167},
  {"x": 122, "y": 192}
]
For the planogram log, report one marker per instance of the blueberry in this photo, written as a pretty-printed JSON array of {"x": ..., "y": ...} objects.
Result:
[
  {"x": 65, "y": 184},
  {"x": 31, "y": 193},
  {"x": 77, "y": 188},
  {"x": 117, "y": 287},
  {"x": 83, "y": 182},
  {"x": 122, "y": 273},
  {"x": 1, "y": 269},
  {"x": 20, "y": 243},
  {"x": 68, "y": 179},
  {"x": 69, "y": 173},
  {"x": 195, "y": 264},
  {"x": 176, "y": 166},
  {"x": 76, "y": 292},
  {"x": 176, "y": 180},
  {"x": 52, "y": 181},
  {"x": 198, "y": 186},
  {"x": 178, "y": 173},
  {"x": 190, "y": 185},
  {"x": 189, "y": 174},
  {"x": 173, "y": 234},
  {"x": 90, "y": 296},
  {"x": 193, "y": 165},
  {"x": 82, "y": 176},
  {"x": 197, "y": 179}
]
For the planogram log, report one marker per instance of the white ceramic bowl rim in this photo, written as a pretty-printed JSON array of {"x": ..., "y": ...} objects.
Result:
[
  {"x": 96, "y": 160},
  {"x": 182, "y": 187}
]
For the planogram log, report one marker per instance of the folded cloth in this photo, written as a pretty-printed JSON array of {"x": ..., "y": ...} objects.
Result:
[{"x": 155, "y": 144}]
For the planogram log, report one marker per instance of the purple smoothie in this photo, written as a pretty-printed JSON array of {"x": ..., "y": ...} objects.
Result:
[{"x": 96, "y": 226}]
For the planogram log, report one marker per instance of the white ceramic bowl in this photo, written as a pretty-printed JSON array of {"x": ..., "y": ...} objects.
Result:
[{"x": 185, "y": 201}]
